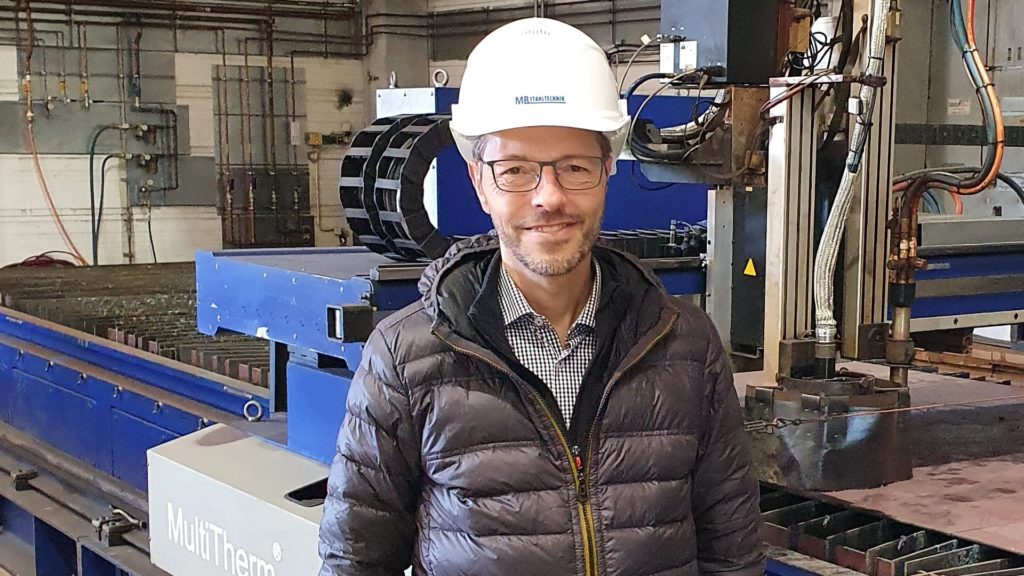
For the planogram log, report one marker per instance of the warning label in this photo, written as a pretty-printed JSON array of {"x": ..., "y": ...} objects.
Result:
[{"x": 750, "y": 270}]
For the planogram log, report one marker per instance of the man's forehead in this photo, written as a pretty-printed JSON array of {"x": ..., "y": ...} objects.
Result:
[{"x": 546, "y": 141}]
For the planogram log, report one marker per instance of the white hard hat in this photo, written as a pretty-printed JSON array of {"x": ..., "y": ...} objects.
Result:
[{"x": 538, "y": 72}]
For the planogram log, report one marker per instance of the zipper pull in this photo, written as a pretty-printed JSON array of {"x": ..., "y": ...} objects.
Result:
[
  {"x": 576, "y": 458},
  {"x": 580, "y": 475}
]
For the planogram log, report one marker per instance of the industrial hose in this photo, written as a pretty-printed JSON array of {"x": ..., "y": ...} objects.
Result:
[
  {"x": 693, "y": 129},
  {"x": 94, "y": 225},
  {"x": 103, "y": 189},
  {"x": 828, "y": 250},
  {"x": 1001, "y": 176}
]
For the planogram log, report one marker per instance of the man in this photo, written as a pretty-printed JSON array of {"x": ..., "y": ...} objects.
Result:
[{"x": 546, "y": 409}]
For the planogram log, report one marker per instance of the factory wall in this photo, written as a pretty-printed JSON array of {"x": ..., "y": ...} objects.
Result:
[
  {"x": 934, "y": 89},
  {"x": 178, "y": 73},
  {"x": 323, "y": 78}
]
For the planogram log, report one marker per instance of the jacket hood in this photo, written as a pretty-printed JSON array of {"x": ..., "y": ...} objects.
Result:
[{"x": 471, "y": 252}]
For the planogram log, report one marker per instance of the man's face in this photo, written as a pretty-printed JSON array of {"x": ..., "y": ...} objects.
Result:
[{"x": 551, "y": 229}]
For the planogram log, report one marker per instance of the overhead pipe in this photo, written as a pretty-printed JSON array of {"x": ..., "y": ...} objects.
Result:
[
  {"x": 234, "y": 8},
  {"x": 360, "y": 42},
  {"x": 172, "y": 21}
]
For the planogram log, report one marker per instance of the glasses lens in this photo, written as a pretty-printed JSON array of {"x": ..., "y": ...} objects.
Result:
[
  {"x": 516, "y": 175},
  {"x": 579, "y": 173}
]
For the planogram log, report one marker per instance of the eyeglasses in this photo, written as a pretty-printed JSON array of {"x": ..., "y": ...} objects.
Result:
[{"x": 576, "y": 173}]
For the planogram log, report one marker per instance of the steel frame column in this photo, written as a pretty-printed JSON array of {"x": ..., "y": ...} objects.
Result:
[
  {"x": 720, "y": 261},
  {"x": 866, "y": 251},
  {"x": 789, "y": 250}
]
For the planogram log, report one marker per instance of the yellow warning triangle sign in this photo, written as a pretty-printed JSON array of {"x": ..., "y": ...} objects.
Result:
[{"x": 750, "y": 270}]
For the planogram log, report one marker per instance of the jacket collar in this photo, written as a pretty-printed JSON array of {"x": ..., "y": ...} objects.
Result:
[{"x": 452, "y": 287}]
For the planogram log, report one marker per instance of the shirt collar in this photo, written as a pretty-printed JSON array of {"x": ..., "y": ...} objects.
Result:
[{"x": 514, "y": 305}]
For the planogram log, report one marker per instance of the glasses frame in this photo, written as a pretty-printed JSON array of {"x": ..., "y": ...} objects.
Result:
[{"x": 540, "y": 173}]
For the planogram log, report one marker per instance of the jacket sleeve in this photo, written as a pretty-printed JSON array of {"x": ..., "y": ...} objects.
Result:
[
  {"x": 369, "y": 523},
  {"x": 725, "y": 492}
]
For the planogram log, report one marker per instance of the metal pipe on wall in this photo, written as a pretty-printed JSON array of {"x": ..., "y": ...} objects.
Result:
[
  {"x": 83, "y": 64},
  {"x": 224, "y": 140},
  {"x": 269, "y": 120},
  {"x": 245, "y": 95},
  {"x": 59, "y": 43},
  {"x": 170, "y": 129},
  {"x": 291, "y": 113}
]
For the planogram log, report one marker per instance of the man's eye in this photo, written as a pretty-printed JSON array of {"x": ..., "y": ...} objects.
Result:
[{"x": 513, "y": 169}]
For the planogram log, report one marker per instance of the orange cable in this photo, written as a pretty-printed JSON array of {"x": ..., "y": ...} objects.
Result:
[{"x": 49, "y": 198}]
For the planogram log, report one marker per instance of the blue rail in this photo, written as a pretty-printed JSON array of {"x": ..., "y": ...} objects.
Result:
[{"x": 102, "y": 402}]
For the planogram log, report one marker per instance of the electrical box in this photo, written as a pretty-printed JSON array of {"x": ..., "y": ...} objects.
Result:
[{"x": 741, "y": 35}]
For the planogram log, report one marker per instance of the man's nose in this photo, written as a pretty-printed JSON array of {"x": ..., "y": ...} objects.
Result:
[{"x": 549, "y": 193}]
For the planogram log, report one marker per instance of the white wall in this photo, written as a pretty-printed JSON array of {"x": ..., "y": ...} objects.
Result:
[
  {"x": 178, "y": 232},
  {"x": 9, "y": 84},
  {"x": 27, "y": 228},
  {"x": 323, "y": 79}
]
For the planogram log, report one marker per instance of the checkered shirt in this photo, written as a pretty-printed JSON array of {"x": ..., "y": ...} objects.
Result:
[{"x": 536, "y": 344}]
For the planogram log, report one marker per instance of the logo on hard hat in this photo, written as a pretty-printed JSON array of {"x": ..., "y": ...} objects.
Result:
[{"x": 540, "y": 100}]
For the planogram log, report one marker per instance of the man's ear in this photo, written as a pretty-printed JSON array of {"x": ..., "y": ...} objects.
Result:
[{"x": 475, "y": 176}]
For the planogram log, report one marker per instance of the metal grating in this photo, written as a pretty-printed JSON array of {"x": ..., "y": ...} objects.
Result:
[
  {"x": 148, "y": 307},
  {"x": 872, "y": 544}
]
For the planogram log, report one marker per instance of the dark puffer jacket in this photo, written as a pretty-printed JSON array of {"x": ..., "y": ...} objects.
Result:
[{"x": 451, "y": 460}]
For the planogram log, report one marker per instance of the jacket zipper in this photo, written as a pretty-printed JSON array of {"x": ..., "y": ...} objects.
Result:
[
  {"x": 577, "y": 464},
  {"x": 582, "y": 501}
]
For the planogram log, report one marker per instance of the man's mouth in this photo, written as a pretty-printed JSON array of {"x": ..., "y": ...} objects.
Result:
[{"x": 549, "y": 228}]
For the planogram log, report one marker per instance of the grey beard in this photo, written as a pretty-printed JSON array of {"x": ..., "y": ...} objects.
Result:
[{"x": 549, "y": 266}]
